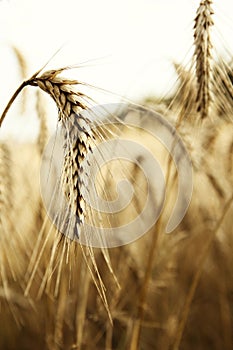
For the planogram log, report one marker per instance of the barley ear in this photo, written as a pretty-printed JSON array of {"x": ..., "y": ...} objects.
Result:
[{"x": 203, "y": 57}]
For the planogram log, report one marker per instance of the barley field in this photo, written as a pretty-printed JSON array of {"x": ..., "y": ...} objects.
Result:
[{"x": 73, "y": 273}]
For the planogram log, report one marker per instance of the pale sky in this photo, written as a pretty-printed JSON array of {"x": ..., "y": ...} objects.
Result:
[{"x": 130, "y": 44}]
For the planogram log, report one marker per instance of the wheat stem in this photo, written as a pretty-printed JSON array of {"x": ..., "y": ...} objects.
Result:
[
  {"x": 197, "y": 275},
  {"x": 17, "y": 92}
]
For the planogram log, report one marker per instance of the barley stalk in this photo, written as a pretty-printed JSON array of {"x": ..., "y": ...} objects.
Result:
[{"x": 203, "y": 46}]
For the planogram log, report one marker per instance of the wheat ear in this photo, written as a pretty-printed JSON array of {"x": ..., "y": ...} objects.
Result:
[
  {"x": 70, "y": 103},
  {"x": 22, "y": 64},
  {"x": 203, "y": 46},
  {"x": 41, "y": 113}
]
